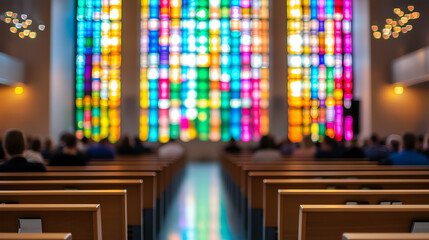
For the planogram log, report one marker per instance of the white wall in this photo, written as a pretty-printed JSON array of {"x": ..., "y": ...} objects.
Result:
[
  {"x": 62, "y": 73},
  {"x": 362, "y": 63}
]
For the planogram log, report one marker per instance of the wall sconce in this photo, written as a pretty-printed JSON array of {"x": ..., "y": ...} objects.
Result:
[
  {"x": 19, "y": 90},
  {"x": 398, "y": 90}
]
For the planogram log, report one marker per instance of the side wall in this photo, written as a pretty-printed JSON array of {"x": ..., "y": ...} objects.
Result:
[
  {"x": 29, "y": 111},
  {"x": 62, "y": 73},
  {"x": 397, "y": 113}
]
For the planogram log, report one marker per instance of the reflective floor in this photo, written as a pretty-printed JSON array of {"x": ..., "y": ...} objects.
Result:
[{"x": 201, "y": 209}]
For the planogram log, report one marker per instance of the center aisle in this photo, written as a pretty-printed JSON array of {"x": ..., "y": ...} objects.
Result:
[{"x": 201, "y": 209}]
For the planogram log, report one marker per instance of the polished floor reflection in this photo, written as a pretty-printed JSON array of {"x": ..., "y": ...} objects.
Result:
[{"x": 201, "y": 209}]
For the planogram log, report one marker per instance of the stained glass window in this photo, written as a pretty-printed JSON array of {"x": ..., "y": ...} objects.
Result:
[
  {"x": 320, "y": 73},
  {"x": 98, "y": 63},
  {"x": 204, "y": 69}
]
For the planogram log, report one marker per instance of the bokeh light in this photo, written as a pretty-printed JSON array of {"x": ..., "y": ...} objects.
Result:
[
  {"x": 21, "y": 24},
  {"x": 19, "y": 90},
  {"x": 399, "y": 90},
  {"x": 400, "y": 19}
]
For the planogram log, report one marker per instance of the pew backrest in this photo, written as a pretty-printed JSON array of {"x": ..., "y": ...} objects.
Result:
[
  {"x": 323, "y": 222},
  {"x": 134, "y": 189},
  {"x": 386, "y": 236},
  {"x": 290, "y": 201},
  {"x": 148, "y": 178},
  {"x": 271, "y": 188},
  {"x": 112, "y": 205},
  {"x": 35, "y": 236},
  {"x": 83, "y": 221}
]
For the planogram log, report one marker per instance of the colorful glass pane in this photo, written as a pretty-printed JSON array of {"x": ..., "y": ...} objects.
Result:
[{"x": 204, "y": 69}]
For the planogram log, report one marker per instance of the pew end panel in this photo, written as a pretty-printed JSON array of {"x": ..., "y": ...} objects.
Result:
[{"x": 323, "y": 222}]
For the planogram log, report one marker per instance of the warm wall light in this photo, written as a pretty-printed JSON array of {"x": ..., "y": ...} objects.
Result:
[
  {"x": 19, "y": 90},
  {"x": 399, "y": 90}
]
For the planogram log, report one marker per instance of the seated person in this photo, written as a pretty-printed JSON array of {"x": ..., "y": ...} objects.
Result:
[
  {"x": 101, "y": 150},
  {"x": 426, "y": 152},
  {"x": 14, "y": 147},
  {"x": 408, "y": 156},
  {"x": 32, "y": 154},
  {"x": 2, "y": 155},
  {"x": 172, "y": 149},
  {"x": 69, "y": 155},
  {"x": 306, "y": 149},
  {"x": 267, "y": 150},
  {"x": 328, "y": 149},
  {"x": 47, "y": 149},
  {"x": 354, "y": 151},
  {"x": 375, "y": 151},
  {"x": 140, "y": 146},
  {"x": 394, "y": 146},
  {"x": 287, "y": 147},
  {"x": 232, "y": 147},
  {"x": 420, "y": 144},
  {"x": 124, "y": 146}
]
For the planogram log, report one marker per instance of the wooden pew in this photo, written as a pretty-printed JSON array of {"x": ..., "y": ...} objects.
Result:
[
  {"x": 290, "y": 200},
  {"x": 134, "y": 189},
  {"x": 35, "y": 236},
  {"x": 83, "y": 221},
  {"x": 149, "y": 185},
  {"x": 255, "y": 187},
  {"x": 386, "y": 236},
  {"x": 112, "y": 204},
  {"x": 161, "y": 170},
  {"x": 323, "y": 222},
  {"x": 271, "y": 188},
  {"x": 169, "y": 178}
]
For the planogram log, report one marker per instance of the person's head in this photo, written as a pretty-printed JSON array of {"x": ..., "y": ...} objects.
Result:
[
  {"x": 85, "y": 141},
  {"x": 409, "y": 141},
  {"x": 394, "y": 146},
  {"x": 63, "y": 136},
  {"x": 420, "y": 142},
  {"x": 266, "y": 142},
  {"x": 36, "y": 145},
  {"x": 306, "y": 142},
  {"x": 354, "y": 142},
  {"x": 328, "y": 144},
  {"x": 47, "y": 145},
  {"x": 137, "y": 141},
  {"x": 374, "y": 140},
  {"x": 427, "y": 143},
  {"x": 105, "y": 141},
  {"x": 124, "y": 141},
  {"x": 14, "y": 143},
  {"x": 70, "y": 141}
]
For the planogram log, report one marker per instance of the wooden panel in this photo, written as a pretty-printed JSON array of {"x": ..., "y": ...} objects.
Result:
[
  {"x": 386, "y": 236},
  {"x": 134, "y": 189},
  {"x": 83, "y": 221},
  {"x": 255, "y": 179},
  {"x": 149, "y": 180},
  {"x": 35, "y": 236},
  {"x": 324, "y": 222},
  {"x": 112, "y": 205},
  {"x": 290, "y": 200},
  {"x": 271, "y": 188}
]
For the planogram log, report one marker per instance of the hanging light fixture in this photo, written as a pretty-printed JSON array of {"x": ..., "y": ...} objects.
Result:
[
  {"x": 21, "y": 24},
  {"x": 399, "y": 24}
]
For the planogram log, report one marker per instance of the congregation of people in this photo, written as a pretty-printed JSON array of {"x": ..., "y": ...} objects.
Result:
[
  {"x": 29, "y": 154},
  {"x": 406, "y": 150}
]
